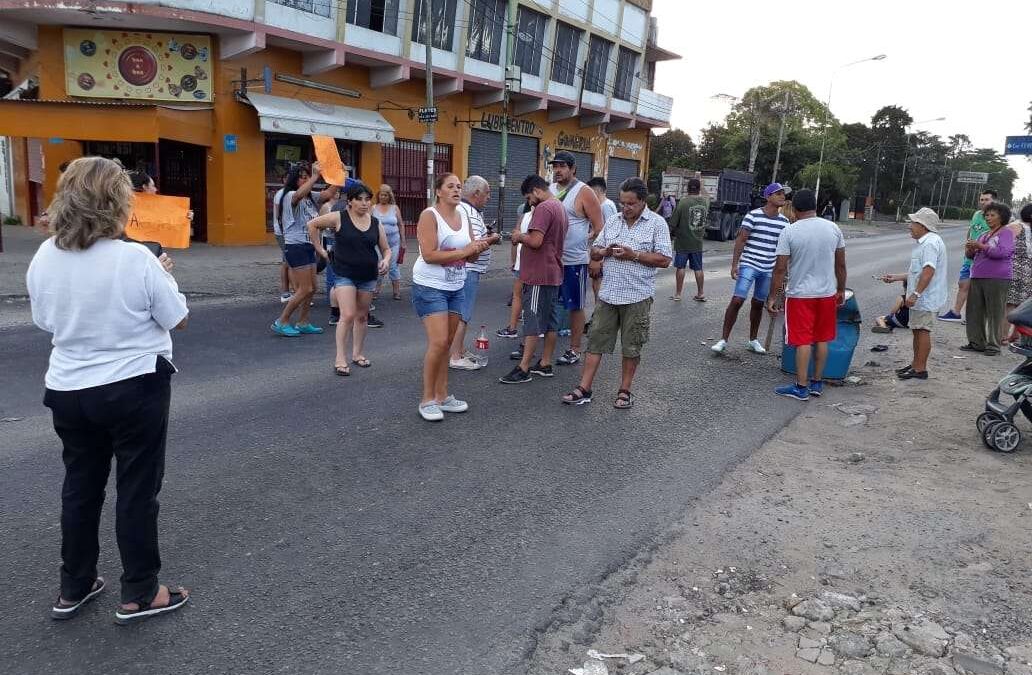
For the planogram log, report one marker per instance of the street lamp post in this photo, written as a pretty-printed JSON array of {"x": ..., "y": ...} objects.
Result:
[
  {"x": 827, "y": 105},
  {"x": 906, "y": 157}
]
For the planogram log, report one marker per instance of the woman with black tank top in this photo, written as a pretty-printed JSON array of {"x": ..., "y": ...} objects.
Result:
[{"x": 356, "y": 236}]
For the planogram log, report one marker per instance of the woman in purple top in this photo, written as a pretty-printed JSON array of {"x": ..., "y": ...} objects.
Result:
[{"x": 990, "y": 279}]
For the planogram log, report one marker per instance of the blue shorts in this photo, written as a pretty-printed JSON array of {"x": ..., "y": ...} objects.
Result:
[
  {"x": 575, "y": 287},
  {"x": 427, "y": 301},
  {"x": 299, "y": 255},
  {"x": 965, "y": 271},
  {"x": 692, "y": 259},
  {"x": 469, "y": 294},
  {"x": 747, "y": 276},
  {"x": 364, "y": 286}
]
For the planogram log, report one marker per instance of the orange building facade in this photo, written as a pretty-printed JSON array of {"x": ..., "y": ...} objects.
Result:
[{"x": 228, "y": 145}]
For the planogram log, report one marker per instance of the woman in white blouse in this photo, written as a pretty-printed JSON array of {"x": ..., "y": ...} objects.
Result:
[{"x": 110, "y": 305}]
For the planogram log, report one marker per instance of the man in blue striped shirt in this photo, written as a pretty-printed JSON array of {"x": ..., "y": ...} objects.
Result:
[{"x": 752, "y": 265}]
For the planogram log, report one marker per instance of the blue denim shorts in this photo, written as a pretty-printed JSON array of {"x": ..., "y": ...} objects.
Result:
[
  {"x": 427, "y": 301},
  {"x": 575, "y": 287},
  {"x": 692, "y": 260},
  {"x": 965, "y": 272},
  {"x": 469, "y": 293},
  {"x": 747, "y": 276},
  {"x": 364, "y": 286},
  {"x": 299, "y": 255}
]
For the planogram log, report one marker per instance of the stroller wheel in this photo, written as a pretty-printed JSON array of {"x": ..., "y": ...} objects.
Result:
[
  {"x": 987, "y": 433},
  {"x": 983, "y": 420},
  {"x": 1005, "y": 437}
]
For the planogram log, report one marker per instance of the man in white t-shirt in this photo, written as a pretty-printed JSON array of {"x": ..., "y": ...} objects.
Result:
[
  {"x": 476, "y": 192},
  {"x": 812, "y": 252}
]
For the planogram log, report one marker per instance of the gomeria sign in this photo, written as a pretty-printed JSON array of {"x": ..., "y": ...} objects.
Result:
[{"x": 137, "y": 65}]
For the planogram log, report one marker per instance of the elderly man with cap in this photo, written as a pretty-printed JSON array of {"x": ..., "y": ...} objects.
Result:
[
  {"x": 584, "y": 215},
  {"x": 752, "y": 264},
  {"x": 928, "y": 284}
]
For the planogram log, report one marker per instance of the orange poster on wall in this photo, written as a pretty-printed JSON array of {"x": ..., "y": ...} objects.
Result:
[
  {"x": 160, "y": 218},
  {"x": 333, "y": 171}
]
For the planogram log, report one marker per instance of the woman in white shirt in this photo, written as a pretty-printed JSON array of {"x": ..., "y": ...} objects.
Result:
[
  {"x": 446, "y": 244},
  {"x": 110, "y": 305}
]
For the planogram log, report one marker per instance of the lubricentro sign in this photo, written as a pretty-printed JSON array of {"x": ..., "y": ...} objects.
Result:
[{"x": 493, "y": 122}]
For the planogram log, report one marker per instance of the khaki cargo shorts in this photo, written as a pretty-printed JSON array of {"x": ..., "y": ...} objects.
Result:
[
  {"x": 921, "y": 320},
  {"x": 629, "y": 322}
]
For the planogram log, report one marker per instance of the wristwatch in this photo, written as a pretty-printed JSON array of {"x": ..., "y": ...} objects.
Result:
[
  {"x": 916, "y": 294},
  {"x": 637, "y": 255}
]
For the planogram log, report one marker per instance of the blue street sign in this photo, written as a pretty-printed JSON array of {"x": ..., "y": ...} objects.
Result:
[
  {"x": 229, "y": 143},
  {"x": 56, "y": 141},
  {"x": 1018, "y": 145}
]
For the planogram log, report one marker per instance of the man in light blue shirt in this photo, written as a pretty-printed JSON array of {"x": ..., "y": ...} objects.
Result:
[{"x": 927, "y": 281}]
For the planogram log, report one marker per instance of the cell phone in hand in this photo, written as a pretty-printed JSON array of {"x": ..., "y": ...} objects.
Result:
[{"x": 154, "y": 247}]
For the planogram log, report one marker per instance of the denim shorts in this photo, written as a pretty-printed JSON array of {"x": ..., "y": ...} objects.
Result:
[
  {"x": 299, "y": 255},
  {"x": 747, "y": 276},
  {"x": 469, "y": 293},
  {"x": 690, "y": 259},
  {"x": 965, "y": 271},
  {"x": 364, "y": 286},
  {"x": 427, "y": 300}
]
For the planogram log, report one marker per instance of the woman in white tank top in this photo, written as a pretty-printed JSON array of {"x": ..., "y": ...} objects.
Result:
[{"x": 446, "y": 244}]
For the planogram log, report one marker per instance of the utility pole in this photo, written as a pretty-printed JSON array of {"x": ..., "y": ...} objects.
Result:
[
  {"x": 510, "y": 55},
  {"x": 429, "y": 139},
  {"x": 781, "y": 137}
]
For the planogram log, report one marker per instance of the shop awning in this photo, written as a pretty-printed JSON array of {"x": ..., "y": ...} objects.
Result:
[
  {"x": 105, "y": 121},
  {"x": 305, "y": 118}
]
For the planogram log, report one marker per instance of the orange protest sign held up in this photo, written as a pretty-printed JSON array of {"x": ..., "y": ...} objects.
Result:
[
  {"x": 326, "y": 152},
  {"x": 160, "y": 218}
]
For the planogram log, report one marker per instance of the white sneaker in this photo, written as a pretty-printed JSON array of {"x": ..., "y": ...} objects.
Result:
[
  {"x": 463, "y": 364},
  {"x": 453, "y": 405},
  {"x": 755, "y": 347},
  {"x": 431, "y": 412},
  {"x": 719, "y": 346},
  {"x": 284, "y": 298}
]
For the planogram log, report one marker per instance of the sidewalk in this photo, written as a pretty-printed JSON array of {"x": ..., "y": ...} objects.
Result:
[{"x": 874, "y": 534}]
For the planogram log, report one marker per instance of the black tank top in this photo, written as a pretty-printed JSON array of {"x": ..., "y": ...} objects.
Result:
[{"x": 354, "y": 251}]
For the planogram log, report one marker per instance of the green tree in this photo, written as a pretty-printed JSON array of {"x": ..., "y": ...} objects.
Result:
[{"x": 674, "y": 148}]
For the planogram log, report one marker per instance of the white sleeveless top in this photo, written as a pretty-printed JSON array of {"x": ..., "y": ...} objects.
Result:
[
  {"x": 575, "y": 247},
  {"x": 444, "y": 277}
]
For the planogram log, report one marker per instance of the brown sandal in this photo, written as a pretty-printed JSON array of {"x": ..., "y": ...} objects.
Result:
[{"x": 624, "y": 400}]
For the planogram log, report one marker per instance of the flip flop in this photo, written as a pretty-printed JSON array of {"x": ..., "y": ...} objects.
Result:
[
  {"x": 699, "y": 298},
  {"x": 675, "y": 298},
  {"x": 342, "y": 371},
  {"x": 176, "y": 599},
  {"x": 61, "y": 612},
  {"x": 880, "y": 348},
  {"x": 362, "y": 362}
]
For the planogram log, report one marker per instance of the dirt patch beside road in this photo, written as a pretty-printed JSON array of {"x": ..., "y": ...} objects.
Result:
[{"x": 874, "y": 534}]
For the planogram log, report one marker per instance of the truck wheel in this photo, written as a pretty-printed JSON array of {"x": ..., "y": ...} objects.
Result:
[{"x": 727, "y": 227}]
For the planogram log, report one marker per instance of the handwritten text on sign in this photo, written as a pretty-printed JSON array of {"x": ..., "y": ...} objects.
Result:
[{"x": 160, "y": 218}]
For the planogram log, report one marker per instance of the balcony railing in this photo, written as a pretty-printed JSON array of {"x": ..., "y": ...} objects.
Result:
[{"x": 654, "y": 106}]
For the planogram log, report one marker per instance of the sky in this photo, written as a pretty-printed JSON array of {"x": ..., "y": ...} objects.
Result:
[{"x": 938, "y": 63}]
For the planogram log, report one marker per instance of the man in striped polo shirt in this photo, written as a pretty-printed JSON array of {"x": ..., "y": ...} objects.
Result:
[{"x": 753, "y": 264}]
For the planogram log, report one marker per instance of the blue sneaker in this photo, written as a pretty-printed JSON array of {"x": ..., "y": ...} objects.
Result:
[
  {"x": 286, "y": 330},
  {"x": 816, "y": 387},
  {"x": 307, "y": 329},
  {"x": 796, "y": 391},
  {"x": 951, "y": 316}
]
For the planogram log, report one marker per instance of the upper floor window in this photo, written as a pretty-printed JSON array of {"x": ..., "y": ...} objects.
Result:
[
  {"x": 530, "y": 40},
  {"x": 317, "y": 7},
  {"x": 378, "y": 15},
  {"x": 626, "y": 67},
  {"x": 486, "y": 30},
  {"x": 564, "y": 55},
  {"x": 598, "y": 62},
  {"x": 442, "y": 17}
]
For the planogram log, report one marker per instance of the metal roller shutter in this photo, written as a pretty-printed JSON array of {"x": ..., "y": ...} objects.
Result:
[
  {"x": 585, "y": 164},
  {"x": 619, "y": 171},
  {"x": 485, "y": 152}
]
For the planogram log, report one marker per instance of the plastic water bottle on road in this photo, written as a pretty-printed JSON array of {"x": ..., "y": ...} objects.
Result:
[{"x": 481, "y": 347}]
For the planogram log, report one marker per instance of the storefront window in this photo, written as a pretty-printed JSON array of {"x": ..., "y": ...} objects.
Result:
[{"x": 282, "y": 151}]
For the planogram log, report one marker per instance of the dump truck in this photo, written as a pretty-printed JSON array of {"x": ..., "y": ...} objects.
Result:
[{"x": 730, "y": 194}]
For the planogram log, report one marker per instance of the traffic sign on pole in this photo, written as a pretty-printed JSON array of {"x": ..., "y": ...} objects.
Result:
[
  {"x": 976, "y": 177},
  {"x": 1018, "y": 145}
]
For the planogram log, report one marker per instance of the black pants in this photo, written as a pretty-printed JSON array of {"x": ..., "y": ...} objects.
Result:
[{"x": 127, "y": 420}]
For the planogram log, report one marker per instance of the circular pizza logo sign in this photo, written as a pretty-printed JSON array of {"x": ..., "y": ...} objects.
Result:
[{"x": 137, "y": 66}]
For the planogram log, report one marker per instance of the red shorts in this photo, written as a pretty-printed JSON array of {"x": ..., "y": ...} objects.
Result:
[{"x": 810, "y": 320}]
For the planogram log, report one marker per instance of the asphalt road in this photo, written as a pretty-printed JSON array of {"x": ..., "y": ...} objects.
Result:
[{"x": 324, "y": 528}]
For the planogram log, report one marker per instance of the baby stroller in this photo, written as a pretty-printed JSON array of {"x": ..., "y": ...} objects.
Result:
[{"x": 996, "y": 424}]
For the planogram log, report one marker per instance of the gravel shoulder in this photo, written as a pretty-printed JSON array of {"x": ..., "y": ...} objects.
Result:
[{"x": 873, "y": 534}]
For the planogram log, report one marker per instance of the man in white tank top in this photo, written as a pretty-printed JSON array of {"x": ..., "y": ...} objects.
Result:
[{"x": 584, "y": 215}]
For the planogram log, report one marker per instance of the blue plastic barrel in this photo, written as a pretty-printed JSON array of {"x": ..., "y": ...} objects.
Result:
[{"x": 840, "y": 351}]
